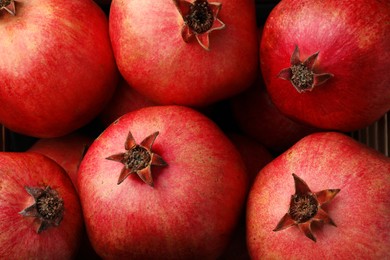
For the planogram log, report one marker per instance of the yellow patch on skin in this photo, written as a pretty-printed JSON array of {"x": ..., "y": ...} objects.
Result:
[{"x": 366, "y": 38}]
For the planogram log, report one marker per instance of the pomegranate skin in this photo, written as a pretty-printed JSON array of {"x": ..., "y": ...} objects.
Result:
[
  {"x": 124, "y": 100},
  {"x": 57, "y": 67},
  {"x": 18, "y": 236},
  {"x": 257, "y": 116},
  {"x": 253, "y": 153},
  {"x": 167, "y": 70},
  {"x": 361, "y": 210},
  {"x": 67, "y": 151},
  {"x": 353, "y": 41},
  {"x": 195, "y": 202}
]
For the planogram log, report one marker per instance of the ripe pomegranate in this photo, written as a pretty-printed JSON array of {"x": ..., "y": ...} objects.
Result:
[
  {"x": 125, "y": 100},
  {"x": 39, "y": 209},
  {"x": 326, "y": 63},
  {"x": 161, "y": 182},
  {"x": 67, "y": 151},
  {"x": 256, "y": 115},
  {"x": 255, "y": 157},
  {"x": 253, "y": 153},
  {"x": 57, "y": 66},
  {"x": 185, "y": 52},
  {"x": 326, "y": 188}
]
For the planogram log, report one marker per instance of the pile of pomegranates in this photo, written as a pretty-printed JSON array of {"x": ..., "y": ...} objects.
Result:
[{"x": 194, "y": 129}]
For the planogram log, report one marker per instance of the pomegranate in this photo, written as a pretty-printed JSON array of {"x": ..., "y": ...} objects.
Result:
[
  {"x": 326, "y": 63},
  {"x": 125, "y": 100},
  {"x": 255, "y": 157},
  {"x": 57, "y": 66},
  {"x": 39, "y": 209},
  {"x": 155, "y": 176},
  {"x": 185, "y": 52},
  {"x": 325, "y": 197},
  {"x": 256, "y": 115},
  {"x": 253, "y": 153},
  {"x": 67, "y": 151}
]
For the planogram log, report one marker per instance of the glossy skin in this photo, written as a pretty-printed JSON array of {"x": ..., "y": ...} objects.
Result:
[
  {"x": 195, "y": 202},
  {"x": 67, "y": 151},
  {"x": 57, "y": 66},
  {"x": 18, "y": 237},
  {"x": 353, "y": 41},
  {"x": 361, "y": 210},
  {"x": 165, "y": 69}
]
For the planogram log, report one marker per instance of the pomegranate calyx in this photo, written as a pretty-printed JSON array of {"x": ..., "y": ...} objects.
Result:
[
  {"x": 305, "y": 208},
  {"x": 8, "y": 5},
  {"x": 200, "y": 19},
  {"x": 301, "y": 74},
  {"x": 48, "y": 207},
  {"x": 138, "y": 159}
]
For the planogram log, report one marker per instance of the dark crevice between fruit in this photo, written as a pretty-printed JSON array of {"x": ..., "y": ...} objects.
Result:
[{"x": 48, "y": 207}]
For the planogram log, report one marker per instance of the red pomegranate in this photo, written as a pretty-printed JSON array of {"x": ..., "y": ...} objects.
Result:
[
  {"x": 185, "y": 52},
  {"x": 256, "y": 115},
  {"x": 57, "y": 66},
  {"x": 67, "y": 151},
  {"x": 326, "y": 188},
  {"x": 124, "y": 100},
  {"x": 326, "y": 63},
  {"x": 161, "y": 182},
  {"x": 253, "y": 153},
  {"x": 39, "y": 209},
  {"x": 255, "y": 157}
]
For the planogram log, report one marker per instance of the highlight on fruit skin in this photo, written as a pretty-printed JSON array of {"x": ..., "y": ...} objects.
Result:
[
  {"x": 305, "y": 208},
  {"x": 138, "y": 159}
]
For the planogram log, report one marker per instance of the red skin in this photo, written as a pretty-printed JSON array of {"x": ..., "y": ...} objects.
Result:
[
  {"x": 57, "y": 66},
  {"x": 254, "y": 154},
  {"x": 18, "y": 234},
  {"x": 196, "y": 200},
  {"x": 67, "y": 151},
  {"x": 257, "y": 116},
  {"x": 125, "y": 100},
  {"x": 255, "y": 157},
  {"x": 353, "y": 44},
  {"x": 361, "y": 209},
  {"x": 162, "y": 67}
]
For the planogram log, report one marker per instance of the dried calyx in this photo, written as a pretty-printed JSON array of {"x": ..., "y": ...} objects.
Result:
[
  {"x": 8, "y": 5},
  {"x": 48, "y": 207},
  {"x": 200, "y": 18},
  {"x": 138, "y": 158},
  {"x": 301, "y": 74},
  {"x": 306, "y": 208}
]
